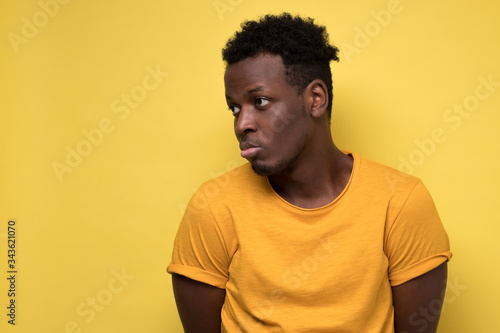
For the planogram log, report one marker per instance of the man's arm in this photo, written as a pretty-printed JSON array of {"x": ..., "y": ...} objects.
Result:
[
  {"x": 199, "y": 305},
  {"x": 418, "y": 302}
]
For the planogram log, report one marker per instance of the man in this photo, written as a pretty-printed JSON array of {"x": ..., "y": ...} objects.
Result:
[{"x": 305, "y": 237}]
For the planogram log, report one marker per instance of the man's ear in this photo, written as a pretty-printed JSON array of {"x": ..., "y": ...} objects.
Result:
[{"x": 318, "y": 97}]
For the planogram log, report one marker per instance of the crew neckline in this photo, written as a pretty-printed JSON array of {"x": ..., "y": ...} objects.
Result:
[{"x": 355, "y": 163}]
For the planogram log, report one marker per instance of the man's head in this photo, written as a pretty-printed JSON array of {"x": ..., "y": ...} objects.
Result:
[
  {"x": 276, "y": 82},
  {"x": 302, "y": 45}
]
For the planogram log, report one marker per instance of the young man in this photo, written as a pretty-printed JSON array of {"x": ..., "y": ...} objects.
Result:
[{"x": 305, "y": 237}]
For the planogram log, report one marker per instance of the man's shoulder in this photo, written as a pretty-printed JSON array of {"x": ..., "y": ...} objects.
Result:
[
  {"x": 239, "y": 180},
  {"x": 384, "y": 176},
  {"x": 383, "y": 185}
]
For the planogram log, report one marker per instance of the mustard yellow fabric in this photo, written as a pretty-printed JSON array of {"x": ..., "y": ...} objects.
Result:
[{"x": 328, "y": 269}]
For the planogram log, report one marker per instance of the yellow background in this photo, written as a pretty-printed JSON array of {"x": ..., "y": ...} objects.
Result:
[{"x": 118, "y": 209}]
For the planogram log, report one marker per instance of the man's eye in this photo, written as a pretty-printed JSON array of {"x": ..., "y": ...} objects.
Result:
[
  {"x": 261, "y": 102},
  {"x": 234, "y": 109}
]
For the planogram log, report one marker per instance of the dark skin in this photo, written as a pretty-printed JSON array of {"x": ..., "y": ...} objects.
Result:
[
  {"x": 291, "y": 132},
  {"x": 199, "y": 305},
  {"x": 286, "y": 136},
  {"x": 417, "y": 299}
]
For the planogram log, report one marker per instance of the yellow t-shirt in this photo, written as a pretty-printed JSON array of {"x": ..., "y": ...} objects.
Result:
[{"x": 328, "y": 269}]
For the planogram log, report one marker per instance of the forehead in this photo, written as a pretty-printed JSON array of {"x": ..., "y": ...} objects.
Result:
[{"x": 262, "y": 70}]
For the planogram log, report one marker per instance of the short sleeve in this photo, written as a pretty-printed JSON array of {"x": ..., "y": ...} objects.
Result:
[
  {"x": 200, "y": 252},
  {"x": 417, "y": 241}
]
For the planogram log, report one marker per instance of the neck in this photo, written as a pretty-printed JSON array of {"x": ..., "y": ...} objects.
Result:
[{"x": 316, "y": 179}]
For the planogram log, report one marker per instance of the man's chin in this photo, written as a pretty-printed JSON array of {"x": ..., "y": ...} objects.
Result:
[
  {"x": 264, "y": 169},
  {"x": 267, "y": 169}
]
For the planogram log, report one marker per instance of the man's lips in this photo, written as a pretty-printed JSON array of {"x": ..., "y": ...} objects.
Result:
[{"x": 249, "y": 150}]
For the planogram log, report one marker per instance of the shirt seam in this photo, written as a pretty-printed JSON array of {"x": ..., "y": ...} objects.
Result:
[
  {"x": 218, "y": 228},
  {"x": 399, "y": 214}
]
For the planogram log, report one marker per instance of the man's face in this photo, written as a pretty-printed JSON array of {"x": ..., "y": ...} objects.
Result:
[{"x": 269, "y": 117}]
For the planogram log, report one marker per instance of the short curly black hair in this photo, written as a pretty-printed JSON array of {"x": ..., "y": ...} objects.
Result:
[{"x": 303, "y": 46}]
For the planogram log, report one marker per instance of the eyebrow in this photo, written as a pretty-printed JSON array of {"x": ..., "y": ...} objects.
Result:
[{"x": 248, "y": 92}]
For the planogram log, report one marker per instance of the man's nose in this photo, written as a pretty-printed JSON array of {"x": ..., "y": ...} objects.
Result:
[{"x": 245, "y": 121}]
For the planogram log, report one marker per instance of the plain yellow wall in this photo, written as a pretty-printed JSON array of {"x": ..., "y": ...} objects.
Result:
[{"x": 112, "y": 113}]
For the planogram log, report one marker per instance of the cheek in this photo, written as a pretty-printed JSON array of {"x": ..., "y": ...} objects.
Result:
[
  {"x": 284, "y": 137},
  {"x": 283, "y": 126},
  {"x": 275, "y": 132},
  {"x": 296, "y": 134}
]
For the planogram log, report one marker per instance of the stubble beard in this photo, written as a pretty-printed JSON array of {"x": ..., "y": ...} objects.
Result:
[
  {"x": 283, "y": 165},
  {"x": 271, "y": 170}
]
